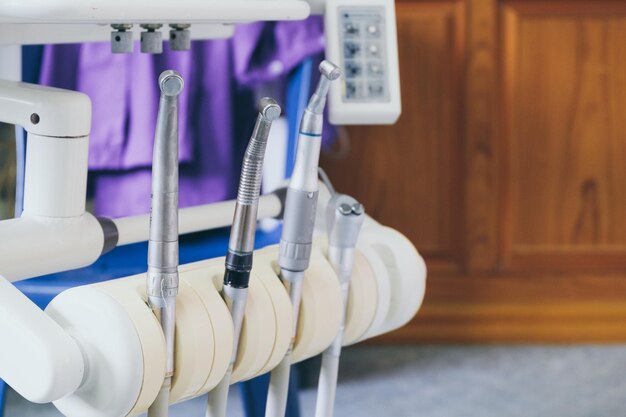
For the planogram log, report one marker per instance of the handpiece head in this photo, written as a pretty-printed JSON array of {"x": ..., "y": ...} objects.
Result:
[
  {"x": 171, "y": 83},
  {"x": 269, "y": 109},
  {"x": 344, "y": 218},
  {"x": 330, "y": 70}
]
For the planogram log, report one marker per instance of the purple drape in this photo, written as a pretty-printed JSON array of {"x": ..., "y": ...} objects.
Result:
[{"x": 217, "y": 108}]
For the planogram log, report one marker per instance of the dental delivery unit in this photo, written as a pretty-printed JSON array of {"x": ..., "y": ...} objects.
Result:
[{"x": 141, "y": 343}]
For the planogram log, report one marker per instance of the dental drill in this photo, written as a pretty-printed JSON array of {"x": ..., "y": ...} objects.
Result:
[
  {"x": 298, "y": 224},
  {"x": 344, "y": 218},
  {"x": 162, "y": 277},
  {"x": 241, "y": 243}
]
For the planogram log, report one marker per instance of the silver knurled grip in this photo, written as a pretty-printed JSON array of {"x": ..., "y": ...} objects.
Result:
[
  {"x": 294, "y": 256},
  {"x": 298, "y": 225}
]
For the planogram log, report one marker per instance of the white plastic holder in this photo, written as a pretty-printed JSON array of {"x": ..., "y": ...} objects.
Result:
[{"x": 39, "y": 359}]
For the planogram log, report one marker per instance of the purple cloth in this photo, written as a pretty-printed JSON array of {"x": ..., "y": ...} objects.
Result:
[{"x": 217, "y": 109}]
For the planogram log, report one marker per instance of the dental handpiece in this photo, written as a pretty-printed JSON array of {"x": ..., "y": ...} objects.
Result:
[
  {"x": 344, "y": 218},
  {"x": 241, "y": 243},
  {"x": 298, "y": 224},
  {"x": 162, "y": 277}
]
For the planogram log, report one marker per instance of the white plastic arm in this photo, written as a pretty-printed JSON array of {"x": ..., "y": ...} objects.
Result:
[
  {"x": 45, "y": 111},
  {"x": 39, "y": 359},
  {"x": 33, "y": 246},
  {"x": 135, "y": 229},
  {"x": 51, "y": 33},
  {"x": 54, "y": 233},
  {"x": 151, "y": 11}
]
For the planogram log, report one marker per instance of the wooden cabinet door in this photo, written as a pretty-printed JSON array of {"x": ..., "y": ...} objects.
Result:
[
  {"x": 507, "y": 168},
  {"x": 407, "y": 174}
]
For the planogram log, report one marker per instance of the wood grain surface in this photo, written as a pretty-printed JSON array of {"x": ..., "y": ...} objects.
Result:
[{"x": 507, "y": 168}]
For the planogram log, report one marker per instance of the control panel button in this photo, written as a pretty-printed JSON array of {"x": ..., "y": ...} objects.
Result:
[
  {"x": 375, "y": 89},
  {"x": 375, "y": 69},
  {"x": 352, "y": 50},
  {"x": 353, "y": 69},
  {"x": 354, "y": 90},
  {"x": 351, "y": 29},
  {"x": 373, "y": 30},
  {"x": 373, "y": 50}
]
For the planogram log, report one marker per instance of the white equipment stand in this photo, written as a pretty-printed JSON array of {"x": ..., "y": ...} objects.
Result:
[{"x": 97, "y": 350}]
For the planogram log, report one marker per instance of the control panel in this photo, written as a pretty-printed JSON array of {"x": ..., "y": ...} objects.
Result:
[{"x": 361, "y": 38}]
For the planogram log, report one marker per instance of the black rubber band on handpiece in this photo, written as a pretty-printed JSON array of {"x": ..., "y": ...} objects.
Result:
[{"x": 238, "y": 267}]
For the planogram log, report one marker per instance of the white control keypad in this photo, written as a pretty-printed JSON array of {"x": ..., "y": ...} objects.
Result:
[{"x": 362, "y": 36}]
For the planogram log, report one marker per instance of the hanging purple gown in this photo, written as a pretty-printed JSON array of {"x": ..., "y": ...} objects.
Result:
[{"x": 217, "y": 108}]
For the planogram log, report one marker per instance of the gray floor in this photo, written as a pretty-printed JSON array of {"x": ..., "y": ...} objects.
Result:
[{"x": 457, "y": 382}]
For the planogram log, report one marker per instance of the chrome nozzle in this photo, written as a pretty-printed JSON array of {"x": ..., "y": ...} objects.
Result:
[
  {"x": 171, "y": 83},
  {"x": 330, "y": 72},
  {"x": 269, "y": 109}
]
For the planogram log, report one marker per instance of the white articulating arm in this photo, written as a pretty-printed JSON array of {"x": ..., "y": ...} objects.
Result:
[
  {"x": 45, "y": 111},
  {"x": 54, "y": 33},
  {"x": 151, "y": 11},
  {"x": 39, "y": 359},
  {"x": 54, "y": 222}
]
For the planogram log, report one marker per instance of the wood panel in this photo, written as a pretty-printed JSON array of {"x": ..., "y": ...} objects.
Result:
[
  {"x": 564, "y": 95},
  {"x": 507, "y": 169},
  {"x": 481, "y": 145},
  {"x": 556, "y": 134},
  {"x": 407, "y": 174},
  {"x": 525, "y": 308}
]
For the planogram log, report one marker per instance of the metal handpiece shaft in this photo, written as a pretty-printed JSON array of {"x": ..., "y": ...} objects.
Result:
[
  {"x": 162, "y": 277},
  {"x": 298, "y": 224},
  {"x": 344, "y": 218},
  {"x": 241, "y": 244}
]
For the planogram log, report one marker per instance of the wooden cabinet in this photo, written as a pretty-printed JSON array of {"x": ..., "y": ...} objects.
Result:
[{"x": 507, "y": 168}]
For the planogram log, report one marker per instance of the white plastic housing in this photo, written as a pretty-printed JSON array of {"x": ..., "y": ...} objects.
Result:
[
  {"x": 367, "y": 111},
  {"x": 50, "y": 33},
  {"x": 45, "y": 111},
  {"x": 54, "y": 233},
  {"x": 111, "y": 349},
  {"x": 33, "y": 246},
  {"x": 406, "y": 272},
  {"x": 56, "y": 176},
  {"x": 150, "y": 11},
  {"x": 37, "y": 357},
  {"x": 124, "y": 347}
]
